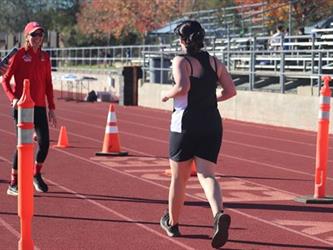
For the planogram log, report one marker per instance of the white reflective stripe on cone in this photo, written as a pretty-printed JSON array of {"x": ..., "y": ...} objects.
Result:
[
  {"x": 111, "y": 130},
  {"x": 24, "y": 136},
  {"x": 26, "y": 115},
  {"x": 324, "y": 115},
  {"x": 112, "y": 117},
  {"x": 324, "y": 100}
]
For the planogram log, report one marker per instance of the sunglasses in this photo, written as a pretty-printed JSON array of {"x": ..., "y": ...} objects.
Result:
[{"x": 34, "y": 34}]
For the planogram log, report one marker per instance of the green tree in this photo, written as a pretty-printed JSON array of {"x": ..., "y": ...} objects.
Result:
[
  {"x": 14, "y": 15},
  {"x": 57, "y": 15},
  {"x": 52, "y": 14}
]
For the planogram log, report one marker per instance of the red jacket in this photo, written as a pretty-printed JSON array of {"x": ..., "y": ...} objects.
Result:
[{"x": 33, "y": 66}]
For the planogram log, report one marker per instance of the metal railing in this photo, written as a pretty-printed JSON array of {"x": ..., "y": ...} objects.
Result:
[
  {"x": 292, "y": 57},
  {"x": 99, "y": 58}
]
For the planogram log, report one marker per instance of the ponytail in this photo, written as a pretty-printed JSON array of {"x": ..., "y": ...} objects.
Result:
[{"x": 192, "y": 34}]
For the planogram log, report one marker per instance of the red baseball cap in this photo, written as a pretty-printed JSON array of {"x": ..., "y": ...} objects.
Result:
[{"x": 32, "y": 27}]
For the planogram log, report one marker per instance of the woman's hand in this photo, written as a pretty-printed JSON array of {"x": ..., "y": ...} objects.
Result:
[
  {"x": 3, "y": 68},
  {"x": 14, "y": 103},
  {"x": 165, "y": 99},
  {"x": 164, "y": 96},
  {"x": 52, "y": 118}
]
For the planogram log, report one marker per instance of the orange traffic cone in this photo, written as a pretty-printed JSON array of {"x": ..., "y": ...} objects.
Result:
[
  {"x": 193, "y": 170},
  {"x": 111, "y": 144},
  {"x": 63, "y": 139}
]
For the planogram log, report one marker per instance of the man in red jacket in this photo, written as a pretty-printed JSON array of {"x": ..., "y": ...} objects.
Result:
[{"x": 30, "y": 62}]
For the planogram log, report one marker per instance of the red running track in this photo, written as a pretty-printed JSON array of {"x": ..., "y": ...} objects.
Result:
[{"x": 116, "y": 203}]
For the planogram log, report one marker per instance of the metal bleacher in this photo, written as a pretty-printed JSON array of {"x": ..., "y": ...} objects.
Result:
[
  {"x": 238, "y": 36},
  {"x": 231, "y": 21},
  {"x": 254, "y": 62}
]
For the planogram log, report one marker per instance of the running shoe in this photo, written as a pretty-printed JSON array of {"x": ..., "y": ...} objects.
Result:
[
  {"x": 221, "y": 227},
  {"x": 12, "y": 190},
  {"x": 172, "y": 231},
  {"x": 39, "y": 184}
]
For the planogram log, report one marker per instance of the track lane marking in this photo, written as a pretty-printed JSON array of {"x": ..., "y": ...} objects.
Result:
[
  {"x": 239, "y": 211},
  {"x": 11, "y": 229},
  {"x": 227, "y": 130},
  {"x": 224, "y": 141},
  {"x": 310, "y": 227},
  {"x": 240, "y": 123},
  {"x": 196, "y": 197},
  {"x": 220, "y": 154},
  {"x": 122, "y": 216}
]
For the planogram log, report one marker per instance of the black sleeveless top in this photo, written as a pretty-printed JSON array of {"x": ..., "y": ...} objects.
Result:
[
  {"x": 202, "y": 94},
  {"x": 200, "y": 113}
]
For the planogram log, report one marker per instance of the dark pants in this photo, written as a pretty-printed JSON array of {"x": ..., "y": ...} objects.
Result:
[{"x": 42, "y": 131}]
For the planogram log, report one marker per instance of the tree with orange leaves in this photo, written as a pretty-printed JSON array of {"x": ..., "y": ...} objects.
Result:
[
  {"x": 303, "y": 12},
  {"x": 122, "y": 17}
]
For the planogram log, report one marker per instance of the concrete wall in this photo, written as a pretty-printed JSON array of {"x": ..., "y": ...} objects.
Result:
[
  {"x": 103, "y": 83},
  {"x": 286, "y": 110}
]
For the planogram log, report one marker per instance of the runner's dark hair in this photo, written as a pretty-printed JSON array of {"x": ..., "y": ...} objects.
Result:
[{"x": 192, "y": 33}]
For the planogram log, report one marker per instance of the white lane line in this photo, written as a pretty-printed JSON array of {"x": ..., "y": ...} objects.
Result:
[
  {"x": 275, "y": 128},
  {"x": 227, "y": 130},
  {"x": 122, "y": 216},
  {"x": 161, "y": 141},
  {"x": 220, "y": 154},
  {"x": 12, "y": 230},
  {"x": 5, "y": 224},
  {"x": 195, "y": 197},
  {"x": 2, "y": 221},
  {"x": 270, "y": 165},
  {"x": 269, "y": 149},
  {"x": 311, "y": 134}
]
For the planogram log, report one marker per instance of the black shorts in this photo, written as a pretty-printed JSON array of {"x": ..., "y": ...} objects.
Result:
[{"x": 184, "y": 146}]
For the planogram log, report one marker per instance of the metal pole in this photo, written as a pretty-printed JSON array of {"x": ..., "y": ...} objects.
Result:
[
  {"x": 253, "y": 63},
  {"x": 228, "y": 50},
  {"x": 320, "y": 64},
  {"x": 282, "y": 63},
  {"x": 312, "y": 61},
  {"x": 289, "y": 18}
]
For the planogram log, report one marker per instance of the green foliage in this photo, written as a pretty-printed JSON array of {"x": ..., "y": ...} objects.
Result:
[
  {"x": 14, "y": 15},
  {"x": 53, "y": 15},
  {"x": 71, "y": 37}
]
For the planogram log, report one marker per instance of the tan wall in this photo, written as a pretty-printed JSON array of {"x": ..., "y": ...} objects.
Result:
[
  {"x": 286, "y": 110},
  {"x": 102, "y": 82}
]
